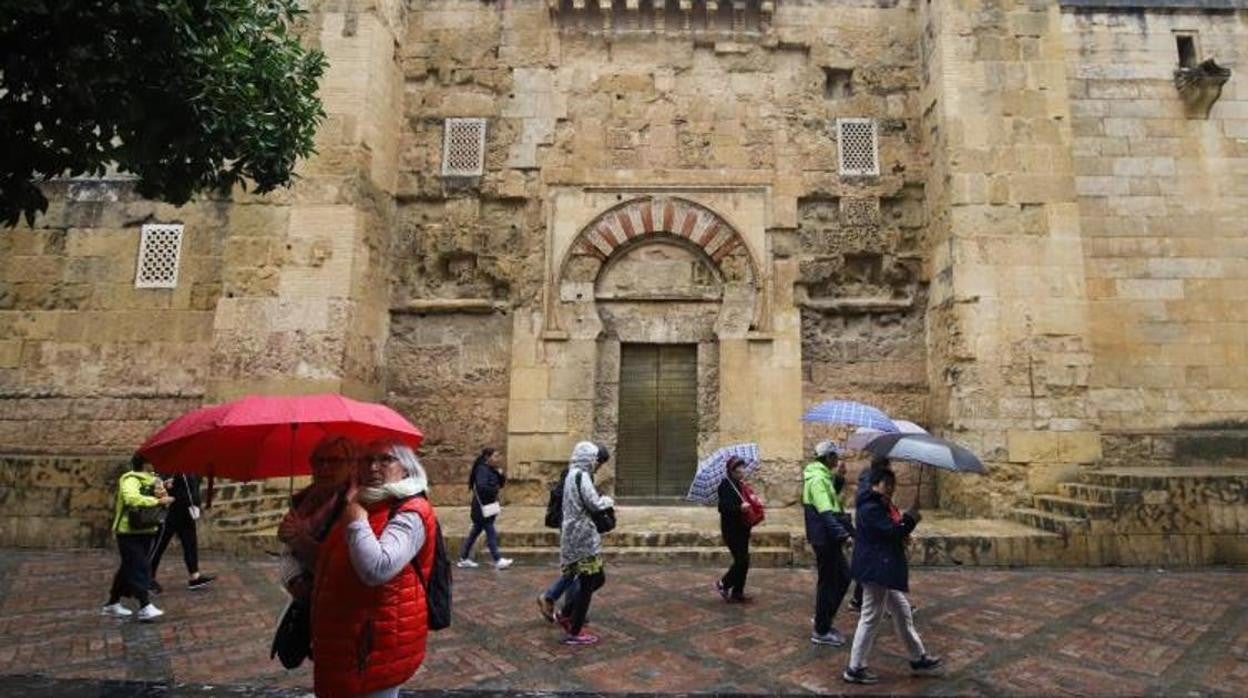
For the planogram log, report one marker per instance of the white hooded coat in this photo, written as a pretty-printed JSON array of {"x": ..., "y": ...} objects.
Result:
[{"x": 579, "y": 539}]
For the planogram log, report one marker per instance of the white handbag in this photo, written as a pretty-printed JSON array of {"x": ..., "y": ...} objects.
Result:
[{"x": 487, "y": 510}]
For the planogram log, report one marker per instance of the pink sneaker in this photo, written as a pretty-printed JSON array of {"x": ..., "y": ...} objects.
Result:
[{"x": 583, "y": 639}]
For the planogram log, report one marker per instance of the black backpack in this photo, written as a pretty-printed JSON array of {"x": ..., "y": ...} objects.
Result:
[
  {"x": 438, "y": 585},
  {"x": 554, "y": 505}
]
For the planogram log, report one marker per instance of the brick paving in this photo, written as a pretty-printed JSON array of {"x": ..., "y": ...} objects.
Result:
[{"x": 1051, "y": 632}]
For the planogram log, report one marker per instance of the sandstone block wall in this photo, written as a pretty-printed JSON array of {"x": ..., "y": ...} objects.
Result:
[
  {"x": 1163, "y": 204},
  {"x": 88, "y": 362}
]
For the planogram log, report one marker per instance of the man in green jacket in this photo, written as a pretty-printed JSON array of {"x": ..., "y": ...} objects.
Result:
[
  {"x": 138, "y": 488},
  {"x": 822, "y": 482}
]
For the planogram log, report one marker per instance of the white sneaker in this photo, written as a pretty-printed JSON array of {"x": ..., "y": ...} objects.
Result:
[
  {"x": 116, "y": 610},
  {"x": 503, "y": 563},
  {"x": 466, "y": 562},
  {"x": 149, "y": 613}
]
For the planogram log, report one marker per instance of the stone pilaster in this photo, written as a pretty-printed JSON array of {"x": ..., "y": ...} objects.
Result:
[
  {"x": 305, "y": 302},
  {"x": 1008, "y": 316}
]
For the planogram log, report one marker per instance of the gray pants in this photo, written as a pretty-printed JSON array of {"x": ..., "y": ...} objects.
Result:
[{"x": 875, "y": 600}]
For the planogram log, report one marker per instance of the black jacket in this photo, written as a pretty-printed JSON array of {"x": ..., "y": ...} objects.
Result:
[
  {"x": 486, "y": 482},
  {"x": 879, "y": 546},
  {"x": 731, "y": 518},
  {"x": 185, "y": 490}
]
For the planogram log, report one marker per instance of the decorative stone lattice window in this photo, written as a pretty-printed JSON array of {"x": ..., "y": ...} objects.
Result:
[
  {"x": 463, "y": 148},
  {"x": 160, "y": 251},
  {"x": 859, "y": 147}
]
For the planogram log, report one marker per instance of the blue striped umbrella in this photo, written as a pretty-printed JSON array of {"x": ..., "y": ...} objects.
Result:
[
  {"x": 711, "y": 471},
  {"x": 849, "y": 412}
]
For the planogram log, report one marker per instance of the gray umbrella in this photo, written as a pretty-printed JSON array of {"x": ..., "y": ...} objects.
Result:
[{"x": 926, "y": 449}]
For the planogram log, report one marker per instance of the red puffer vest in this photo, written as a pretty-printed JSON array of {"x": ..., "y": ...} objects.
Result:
[{"x": 366, "y": 638}]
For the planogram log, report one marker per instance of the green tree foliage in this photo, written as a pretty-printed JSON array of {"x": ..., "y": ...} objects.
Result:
[{"x": 188, "y": 95}]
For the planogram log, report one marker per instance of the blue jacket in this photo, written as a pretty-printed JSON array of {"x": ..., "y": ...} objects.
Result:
[
  {"x": 879, "y": 547},
  {"x": 821, "y": 506}
]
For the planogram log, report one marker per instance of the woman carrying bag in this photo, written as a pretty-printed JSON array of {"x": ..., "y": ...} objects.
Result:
[
  {"x": 139, "y": 510},
  {"x": 739, "y": 511},
  {"x": 484, "y": 481}
]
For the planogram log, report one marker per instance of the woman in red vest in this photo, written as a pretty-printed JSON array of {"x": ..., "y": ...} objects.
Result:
[{"x": 369, "y": 619}]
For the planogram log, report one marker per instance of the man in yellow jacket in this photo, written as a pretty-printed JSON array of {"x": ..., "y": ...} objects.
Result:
[
  {"x": 826, "y": 531},
  {"x": 138, "y": 488}
]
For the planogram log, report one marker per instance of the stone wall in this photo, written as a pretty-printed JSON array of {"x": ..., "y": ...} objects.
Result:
[
  {"x": 1163, "y": 204},
  {"x": 448, "y": 373},
  {"x": 88, "y": 362}
]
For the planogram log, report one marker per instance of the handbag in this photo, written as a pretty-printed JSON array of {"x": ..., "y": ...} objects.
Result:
[
  {"x": 292, "y": 643},
  {"x": 146, "y": 517},
  {"x": 755, "y": 513},
  {"x": 604, "y": 519},
  {"x": 487, "y": 510}
]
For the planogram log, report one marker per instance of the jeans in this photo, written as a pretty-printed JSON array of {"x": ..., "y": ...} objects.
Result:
[
  {"x": 179, "y": 523},
  {"x": 491, "y": 539},
  {"x": 134, "y": 574},
  {"x": 875, "y": 599},
  {"x": 831, "y": 584},
  {"x": 738, "y": 542},
  {"x": 565, "y": 584}
]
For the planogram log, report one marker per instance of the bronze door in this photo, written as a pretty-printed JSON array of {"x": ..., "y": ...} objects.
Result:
[{"x": 658, "y": 420}]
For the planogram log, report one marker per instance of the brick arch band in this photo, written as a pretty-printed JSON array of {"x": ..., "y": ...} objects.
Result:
[{"x": 633, "y": 220}]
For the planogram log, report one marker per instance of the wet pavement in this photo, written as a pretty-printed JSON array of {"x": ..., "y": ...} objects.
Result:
[{"x": 1019, "y": 632}]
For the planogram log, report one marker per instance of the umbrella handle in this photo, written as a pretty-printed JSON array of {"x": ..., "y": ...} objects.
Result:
[
  {"x": 918, "y": 490},
  {"x": 290, "y": 484}
]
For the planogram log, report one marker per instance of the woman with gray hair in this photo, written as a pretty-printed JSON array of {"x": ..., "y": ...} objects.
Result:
[{"x": 369, "y": 615}]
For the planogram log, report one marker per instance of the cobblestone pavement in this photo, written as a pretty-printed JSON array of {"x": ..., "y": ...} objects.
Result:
[{"x": 1032, "y": 632}]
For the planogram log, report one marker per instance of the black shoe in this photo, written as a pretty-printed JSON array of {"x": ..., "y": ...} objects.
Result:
[
  {"x": 156, "y": 588},
  {"x": 200, "y": 582},
  {"x": 861, "y": 675},
  {"x": 927, "y": 666}
]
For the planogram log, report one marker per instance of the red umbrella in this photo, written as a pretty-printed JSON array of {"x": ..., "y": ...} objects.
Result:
[{"x": 268, "y": 436}]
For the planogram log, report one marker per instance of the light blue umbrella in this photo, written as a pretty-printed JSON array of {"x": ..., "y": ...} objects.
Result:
[
  {"x": 711, "y": 471},
  {"x": 849, "y": 412}
]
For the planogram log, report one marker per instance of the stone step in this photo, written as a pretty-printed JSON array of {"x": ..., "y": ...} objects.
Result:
[
  {"x": 1155, "y": 478},
  {"x": 1049, "y": 521},
  {"x": 682, "y": 555},
  {"x": 1099, "y": 493},
  {"x": 249, "y": 521},
  {"x": 1077, "y": 508},
  {"x": 549, "y": 538}
]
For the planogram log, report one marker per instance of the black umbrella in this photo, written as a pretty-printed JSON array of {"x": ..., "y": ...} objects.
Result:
[{"x": 926, "y": 449}]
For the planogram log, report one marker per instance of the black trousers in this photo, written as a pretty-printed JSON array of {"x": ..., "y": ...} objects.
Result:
[
  {"x": 738, "y": 542},
  {"x": 134, "y": 574},
  {"x": 586, "y": 585},
  {"x": 178, "y": 523},
  {"x": 831, "y": 584}
]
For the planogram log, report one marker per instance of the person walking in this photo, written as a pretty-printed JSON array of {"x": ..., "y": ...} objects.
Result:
[
  {"x": 566, "y": 583},
  {"x": 580, "y": 544},
  {"x": 735, "y": 529},
  {"x": 370, "y": 622},
  {"x": 313, "y": 510},
  {"x": 485, "y": 479},
  {"x": 880, "y": 564},
  {"x": 826, "y": 532},
  {"x": 181, "y": 522},
  {"x": 137, "y": 489},
  {"x": 864, "y": 484}
]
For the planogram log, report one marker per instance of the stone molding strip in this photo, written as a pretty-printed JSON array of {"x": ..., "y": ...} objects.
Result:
[{"x": 1156, "y": 4}]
